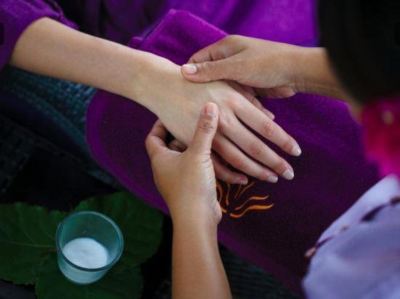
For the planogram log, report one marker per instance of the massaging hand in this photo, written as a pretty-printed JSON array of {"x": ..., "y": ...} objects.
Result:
[
  {"x": 262, "y": 64},
  {"x": 186, "y": 180},
  {"x": 273, "y": 69},
  {"x": 179, "y": 102}
]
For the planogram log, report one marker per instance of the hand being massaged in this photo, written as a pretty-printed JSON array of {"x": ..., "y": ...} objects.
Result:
[
  {"x": 234, "y": 142},
  {"x": 157, "y": 84}
]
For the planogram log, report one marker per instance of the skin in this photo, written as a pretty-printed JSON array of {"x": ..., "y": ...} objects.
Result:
[
  {"x": 189, "y": 189},
  {"x": 185, "y": 176},
  {"x": 50, "y": 48},
  {"x": 271, "y": 68}
]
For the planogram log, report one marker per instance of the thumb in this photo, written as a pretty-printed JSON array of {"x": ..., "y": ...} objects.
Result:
[
  {"x": 206, "y": 129},
  {"x": 209, "y": 70}
]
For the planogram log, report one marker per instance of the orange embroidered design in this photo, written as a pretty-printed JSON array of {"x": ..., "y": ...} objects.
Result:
[{"x": 230, "y": 198}]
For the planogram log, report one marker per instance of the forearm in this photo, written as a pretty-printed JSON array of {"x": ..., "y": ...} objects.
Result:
[
  {"x": 50, "y": 48},
  {"x": 313, "y": 74},
  {"x": 197, "y": 269}
]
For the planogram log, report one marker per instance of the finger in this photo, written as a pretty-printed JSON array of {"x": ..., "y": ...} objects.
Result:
[
  {"x": 268, "y": 113},
  {"x": 225, "y": 47},
  {"x": 216, "y": 61},
  {"x": 267, "y": 128},
  {"x": 277, "y": 92},
  {"x": 211, "y": 70},
  {"x": 253, "y": 100},
  {"x": 206, "y": 129},
  {"x": 237, "y": 159},
  {"x": 227, "y": 175},
  {"x": 176, "y": 145},
  {"x": 249, "y": 90},
  {"x": 249, "y": 94},
  {"x": 155, "y": 140},
  {"x": 258, "y": 150}
]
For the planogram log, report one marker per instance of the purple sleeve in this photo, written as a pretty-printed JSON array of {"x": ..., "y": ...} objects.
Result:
[{"x": 17, "y": 15}]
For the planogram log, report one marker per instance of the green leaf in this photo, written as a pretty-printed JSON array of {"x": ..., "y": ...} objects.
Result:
[
  {"x": 28, "y": 254},
  {"x": 120, "y": 283},
  {"x": 27, "y": 236},
  {"x": 140, "y": 224}
]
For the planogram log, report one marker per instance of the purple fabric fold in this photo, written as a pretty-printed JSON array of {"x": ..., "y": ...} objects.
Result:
[{"x": 330, "y": 175}]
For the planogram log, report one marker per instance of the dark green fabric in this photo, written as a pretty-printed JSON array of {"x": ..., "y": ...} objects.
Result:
[
  {"x": 249, "y": 281},
  {"x": 60, "y": 102},
  {"x": 16, "y": 146}
]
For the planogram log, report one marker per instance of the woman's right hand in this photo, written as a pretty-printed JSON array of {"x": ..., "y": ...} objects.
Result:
[
  {"x": 273, "y": 69},
  {"x": 178, "y": 102},
  {"x": 266, "y": 65}
]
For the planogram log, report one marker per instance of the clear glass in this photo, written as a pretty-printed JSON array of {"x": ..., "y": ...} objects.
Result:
[{"x": 88, "y": 224}]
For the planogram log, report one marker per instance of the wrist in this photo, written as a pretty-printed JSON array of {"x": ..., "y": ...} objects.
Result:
[
  {"x": 313, "y": 74},
  {"x": 200, "y": 215},
  {"x": 148, "y": 79},
  {"x": 194, "y": 222},
  {"x": 306, "y": 62}
]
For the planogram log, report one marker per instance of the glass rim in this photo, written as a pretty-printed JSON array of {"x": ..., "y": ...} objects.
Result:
[{"x": 104, "y": 217}]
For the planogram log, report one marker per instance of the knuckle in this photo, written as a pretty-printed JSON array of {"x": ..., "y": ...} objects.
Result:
[
  {"x": 261, "y": 175},
  {"x": 225, "y": 122},
  {"x": 238, "y": 163},
  {"x": 288, "y": 144},
  {"x": 206, "y": 125},
  {"x": 255, "y": 149},
  {"x": 269, "y": 129},
  {"x": 279, "y": 166},
  {"x": 234, "y": 103}
]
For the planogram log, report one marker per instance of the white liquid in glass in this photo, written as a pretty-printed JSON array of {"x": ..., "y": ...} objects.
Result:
[{"x": 86, "y": 253}]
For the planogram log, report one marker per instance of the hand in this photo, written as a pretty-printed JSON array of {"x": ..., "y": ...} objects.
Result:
[
  {"x": 178, "y": 102},
  {"x": 274, "y": 69},
  {"x": 186, "y": 180},
  {"x": 266, "y": 65}
]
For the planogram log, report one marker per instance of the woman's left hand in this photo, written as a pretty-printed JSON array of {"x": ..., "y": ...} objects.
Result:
[
  {"x": 186, "y": 180},
  {"x": 177, "y": 103}
]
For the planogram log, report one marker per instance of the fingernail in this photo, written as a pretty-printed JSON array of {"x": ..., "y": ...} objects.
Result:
[
  {"x": 272, "y": 179},
  {"x": 288, "y": 174},
  {"x": 210, "y": 110},
  {"x": 189, "y": 69},
  {"x": 296, "y": 151}
]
